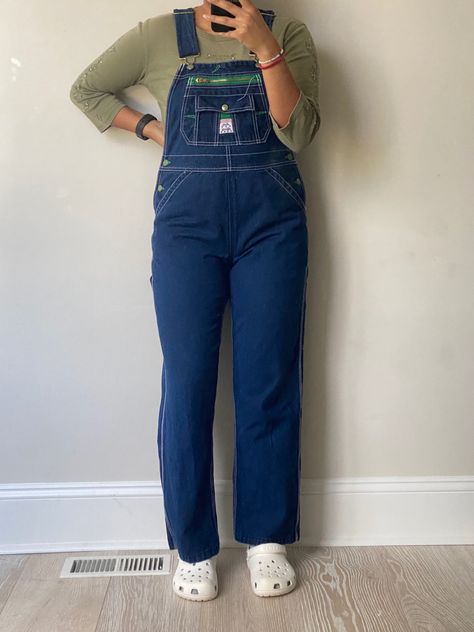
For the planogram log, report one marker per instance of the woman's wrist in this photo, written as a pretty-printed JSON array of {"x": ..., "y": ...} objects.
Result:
[
  {"x": 268, "y": 49},
  {"x": 153, "y": 130}
]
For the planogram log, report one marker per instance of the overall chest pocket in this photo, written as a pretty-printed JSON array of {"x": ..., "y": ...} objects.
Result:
[{"x": 224, "y": 119}]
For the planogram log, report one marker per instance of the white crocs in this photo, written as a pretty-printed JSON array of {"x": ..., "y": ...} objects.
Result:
[
  {"x": 270, "y": 572},
  {"x": 196, "y": 581}
]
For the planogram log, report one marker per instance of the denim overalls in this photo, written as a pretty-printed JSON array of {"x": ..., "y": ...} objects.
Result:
[{"x": 230, "y": 224}]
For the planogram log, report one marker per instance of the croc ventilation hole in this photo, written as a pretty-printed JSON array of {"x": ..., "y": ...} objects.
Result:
[
  {"x": 272, "y": 572},
  {"x": 200, "y": 574}
]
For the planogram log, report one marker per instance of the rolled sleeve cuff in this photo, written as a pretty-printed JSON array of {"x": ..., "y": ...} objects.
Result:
[
  {"x": 293, "y": 116},
  {"x": 104, "y": 120}
]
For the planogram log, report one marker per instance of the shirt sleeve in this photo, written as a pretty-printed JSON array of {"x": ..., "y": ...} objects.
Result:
[
  {"x": 302, "y": 59},
  {"x": 121, "y": 65}
]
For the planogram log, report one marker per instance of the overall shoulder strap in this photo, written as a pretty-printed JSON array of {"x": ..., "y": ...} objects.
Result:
[
  {"x": 268, "y": 15},
  {"x": 186, "y": 32}
]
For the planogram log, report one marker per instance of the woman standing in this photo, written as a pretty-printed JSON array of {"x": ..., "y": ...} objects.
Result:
[{"x": 230, "y": 224}]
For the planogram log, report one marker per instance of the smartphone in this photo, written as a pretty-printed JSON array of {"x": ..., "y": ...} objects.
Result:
[{"x": 215, "y": 10}]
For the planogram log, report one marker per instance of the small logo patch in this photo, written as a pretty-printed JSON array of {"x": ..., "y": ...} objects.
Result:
[{"x": 226, "y": 125}]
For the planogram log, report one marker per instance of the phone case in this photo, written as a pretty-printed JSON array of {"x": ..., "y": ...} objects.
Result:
[{"x": 215, "y": 10}]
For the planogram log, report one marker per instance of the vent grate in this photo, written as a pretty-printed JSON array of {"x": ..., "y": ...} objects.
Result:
[{"x": 100, "y": 566}]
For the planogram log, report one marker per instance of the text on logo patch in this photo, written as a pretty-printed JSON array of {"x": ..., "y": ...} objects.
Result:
[{"x": 226, "y": 125}]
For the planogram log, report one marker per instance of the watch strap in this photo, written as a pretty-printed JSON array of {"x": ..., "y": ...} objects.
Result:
[{"x": 145, "y": 119}]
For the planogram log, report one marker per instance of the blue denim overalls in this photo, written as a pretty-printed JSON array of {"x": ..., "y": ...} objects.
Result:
[{"x": 230, "y": 224}]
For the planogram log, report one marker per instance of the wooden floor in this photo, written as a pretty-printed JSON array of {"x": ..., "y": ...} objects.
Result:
[{"x": 341, "y": 589}]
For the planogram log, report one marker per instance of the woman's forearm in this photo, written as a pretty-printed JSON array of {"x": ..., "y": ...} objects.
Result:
[
  {"x": 282, "y": 90},
  {"x": 127, "y": 118},
  {"x": 252, "y": 31}
]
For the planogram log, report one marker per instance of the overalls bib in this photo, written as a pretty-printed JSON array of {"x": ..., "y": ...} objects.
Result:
[{"x": 230, "y": 224}]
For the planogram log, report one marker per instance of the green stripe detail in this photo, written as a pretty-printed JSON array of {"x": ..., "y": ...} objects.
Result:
[{"x": 234, "y": 79}]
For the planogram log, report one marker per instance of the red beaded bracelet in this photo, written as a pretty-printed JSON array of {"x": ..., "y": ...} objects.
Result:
[
  {"x": 273, "y": 63},
  {"x": 266, "y": 63}
]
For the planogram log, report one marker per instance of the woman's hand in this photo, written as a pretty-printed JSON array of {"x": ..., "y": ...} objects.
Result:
[
  {"x": 250, "y": 27},
  {"x": 252, "y": 30}
]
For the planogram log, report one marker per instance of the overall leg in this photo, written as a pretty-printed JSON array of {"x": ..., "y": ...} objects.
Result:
[
  {"x": 268, "y": 289},
  {"x": 190, "y": 286}
]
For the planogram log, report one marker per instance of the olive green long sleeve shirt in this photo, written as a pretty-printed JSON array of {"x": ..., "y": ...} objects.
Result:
[{"x": 148, "y": 54}]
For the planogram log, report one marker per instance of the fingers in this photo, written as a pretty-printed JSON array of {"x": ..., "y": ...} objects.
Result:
[
  {"x": 222, "y": 19},
  {"x": 244, "y": 17},
  {"x": 228, "y": 6},
  {"x": 248, "y": 6}
]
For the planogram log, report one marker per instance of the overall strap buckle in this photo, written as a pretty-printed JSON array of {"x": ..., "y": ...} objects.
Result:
[{"x": 189, "y": 64}]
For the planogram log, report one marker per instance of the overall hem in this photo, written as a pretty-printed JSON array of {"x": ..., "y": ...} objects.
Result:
[
  {"x": 201, "y": 555},
  {"x": 254, "y": 540}
]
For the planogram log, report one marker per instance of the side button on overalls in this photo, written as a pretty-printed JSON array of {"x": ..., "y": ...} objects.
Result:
[{"x": 229, "y": 225}]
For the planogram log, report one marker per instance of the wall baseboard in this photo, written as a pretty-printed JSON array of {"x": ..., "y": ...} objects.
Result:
[{"x": 39, "y": 518}]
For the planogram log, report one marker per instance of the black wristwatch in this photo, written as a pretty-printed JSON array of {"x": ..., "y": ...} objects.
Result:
[{"x": 146, "y": 118}]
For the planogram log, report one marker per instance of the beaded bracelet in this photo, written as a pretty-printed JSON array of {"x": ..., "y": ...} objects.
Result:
[
  {"x": 267, "y": 61},
  {"x": 273, "y": 63}
]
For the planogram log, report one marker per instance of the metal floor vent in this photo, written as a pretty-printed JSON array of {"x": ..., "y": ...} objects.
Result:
[{"x": 99, "y": 566}]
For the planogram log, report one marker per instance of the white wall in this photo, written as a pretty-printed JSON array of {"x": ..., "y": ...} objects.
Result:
[{"x": 389, "y": 342}]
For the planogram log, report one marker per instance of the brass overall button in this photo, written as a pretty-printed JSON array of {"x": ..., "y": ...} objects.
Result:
[{"x": 224, "y": 107}]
